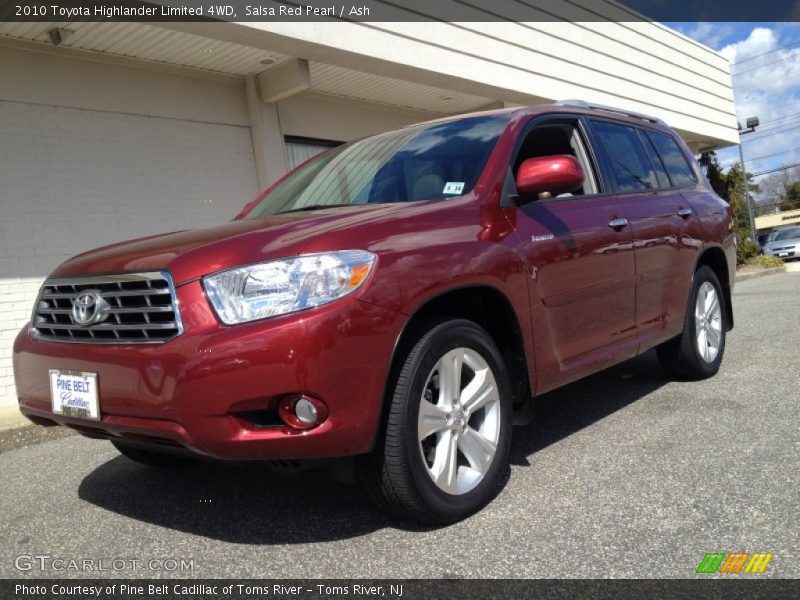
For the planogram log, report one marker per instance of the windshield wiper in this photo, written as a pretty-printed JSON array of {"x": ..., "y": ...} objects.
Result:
[{"x": 312, "y": 207}]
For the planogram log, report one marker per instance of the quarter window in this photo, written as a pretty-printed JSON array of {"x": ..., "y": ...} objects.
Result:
[
  {"x": 629, "y": 164},
  {"x": 678, "y": 167}
]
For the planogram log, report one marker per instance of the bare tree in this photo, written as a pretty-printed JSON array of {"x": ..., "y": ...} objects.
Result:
[{"x": 773, "y": 190}]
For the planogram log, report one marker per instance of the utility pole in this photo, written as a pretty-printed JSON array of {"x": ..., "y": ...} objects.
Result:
[{"x": 751, "y": 123}]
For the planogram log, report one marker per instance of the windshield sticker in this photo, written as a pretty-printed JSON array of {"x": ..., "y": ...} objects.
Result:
[{"x": 453, "y": 187}]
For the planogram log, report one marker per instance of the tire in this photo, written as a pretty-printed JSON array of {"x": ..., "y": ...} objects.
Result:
[
  {"x": 411, "y": 472},
  {"x": 162, "y": 460},
  {"x": 697, "y": 352}
]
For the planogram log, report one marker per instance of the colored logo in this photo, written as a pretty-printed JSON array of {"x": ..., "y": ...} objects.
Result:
[{"x": 734, "y": 562}]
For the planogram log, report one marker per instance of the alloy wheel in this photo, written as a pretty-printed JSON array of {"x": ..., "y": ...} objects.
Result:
[
  {"x": 459, "y": 421},
  {"x": 708, "y": 322}
]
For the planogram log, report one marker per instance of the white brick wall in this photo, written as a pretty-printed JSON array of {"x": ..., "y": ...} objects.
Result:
[{"x": 72, "y": 179}]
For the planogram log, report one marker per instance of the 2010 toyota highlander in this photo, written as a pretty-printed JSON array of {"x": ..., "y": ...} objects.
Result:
[{"x": 401, "y": 298}]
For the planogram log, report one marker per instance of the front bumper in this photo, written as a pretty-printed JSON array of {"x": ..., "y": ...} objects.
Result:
[
  {"x": 214, "y": 389},
  {"x": 787, "y": 254}
]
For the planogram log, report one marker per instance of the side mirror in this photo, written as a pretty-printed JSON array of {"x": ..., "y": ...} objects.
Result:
[{"x": 559, "y": 174}]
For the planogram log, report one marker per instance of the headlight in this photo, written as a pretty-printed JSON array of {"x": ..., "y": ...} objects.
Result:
[{"x": 284, "y": 286}]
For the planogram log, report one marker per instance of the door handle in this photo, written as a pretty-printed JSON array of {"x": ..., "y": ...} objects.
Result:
[
  {"x": 618, "y": 223},
  {"x": 685, "y": 212}
]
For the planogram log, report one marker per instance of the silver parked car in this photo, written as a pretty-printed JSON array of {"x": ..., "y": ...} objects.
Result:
[{"x": 785, "y": 244}]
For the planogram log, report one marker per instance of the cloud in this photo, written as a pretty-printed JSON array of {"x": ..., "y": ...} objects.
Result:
[
  {"x": 765, "y": 66},
  {"x": 766, "y": 84},
  {"x": 766, "y": 79},
  {"x": 760, "y": 40},
  {"x": 710, "y": 34}
]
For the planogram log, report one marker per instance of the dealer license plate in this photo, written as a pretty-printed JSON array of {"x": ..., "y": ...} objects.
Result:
[{"x": 74, "y": 394}]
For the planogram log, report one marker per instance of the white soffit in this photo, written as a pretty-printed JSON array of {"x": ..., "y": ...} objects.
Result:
[
  {"x": 150, "y": 43},
  {"x": 166, "y": 46}
]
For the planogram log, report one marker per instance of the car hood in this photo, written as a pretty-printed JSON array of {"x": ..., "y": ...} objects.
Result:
[
  {"x": 190, "y": 254},
  {"x": 782, "y": 243}
]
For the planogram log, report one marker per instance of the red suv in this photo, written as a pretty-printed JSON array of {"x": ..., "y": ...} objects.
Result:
[{"x": 401, "y": 299}]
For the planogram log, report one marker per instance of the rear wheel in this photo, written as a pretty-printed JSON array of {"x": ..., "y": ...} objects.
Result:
[
  {"x": 697, "y": 352},
  {"x": 151, "y": 458},
  {"x": 445, "y": 441}
]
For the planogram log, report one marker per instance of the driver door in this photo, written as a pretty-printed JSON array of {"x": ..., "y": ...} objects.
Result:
[{"x": 579, "y": 250}]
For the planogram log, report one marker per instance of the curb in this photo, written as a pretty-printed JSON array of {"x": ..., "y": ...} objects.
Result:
[
  {"x": 760, "y": 273},
  {"x": 16, "y": 431},
  {"x": 30, "y": 434}
]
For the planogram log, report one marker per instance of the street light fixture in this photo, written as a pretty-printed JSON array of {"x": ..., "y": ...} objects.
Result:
[{"x": 751, "y": 123}]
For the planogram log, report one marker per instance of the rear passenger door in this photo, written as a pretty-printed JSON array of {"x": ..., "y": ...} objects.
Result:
[{"x": 665, "y": 232}]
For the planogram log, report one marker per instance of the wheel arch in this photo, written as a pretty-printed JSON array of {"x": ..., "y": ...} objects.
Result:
[
  {"x": 714, "y": 258},
  {"x": 489, "y": 308}
]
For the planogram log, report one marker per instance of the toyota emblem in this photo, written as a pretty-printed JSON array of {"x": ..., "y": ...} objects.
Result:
[{"x": 89, "y": 307}]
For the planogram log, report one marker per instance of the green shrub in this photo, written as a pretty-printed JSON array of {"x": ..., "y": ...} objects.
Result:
[
  {"x": 745, "y": 249},
  {"x": 765, "y": 261}
]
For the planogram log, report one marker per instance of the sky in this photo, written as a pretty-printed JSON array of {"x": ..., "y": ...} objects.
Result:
[{"x": 765, "y": 66}]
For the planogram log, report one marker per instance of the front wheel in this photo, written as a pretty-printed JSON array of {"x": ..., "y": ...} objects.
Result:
[
  {"x": 697, "y": 352},
  {"x": 445, "y": 441}
]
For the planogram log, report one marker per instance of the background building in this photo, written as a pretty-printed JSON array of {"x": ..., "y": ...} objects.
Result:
[
  {"x": 775, "y": 220},
  {"x": 127, "y": 129}
]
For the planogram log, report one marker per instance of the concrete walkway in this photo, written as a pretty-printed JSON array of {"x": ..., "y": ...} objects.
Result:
[{"x": 11, "y": 418}]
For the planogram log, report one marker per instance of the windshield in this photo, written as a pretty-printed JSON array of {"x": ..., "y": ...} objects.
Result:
[
  {"x": 787, "y": 234},
  {"x": 424, "y": 162}
]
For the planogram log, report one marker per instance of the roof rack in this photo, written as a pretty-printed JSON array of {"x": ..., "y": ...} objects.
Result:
[{"x": 620, "y": 111}]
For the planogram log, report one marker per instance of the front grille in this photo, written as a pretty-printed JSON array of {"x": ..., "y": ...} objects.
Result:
[{"x": 136, "y": 309}]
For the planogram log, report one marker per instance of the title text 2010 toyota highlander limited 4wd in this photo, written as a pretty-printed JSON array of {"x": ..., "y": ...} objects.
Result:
[{"x": 401, "y": 298}]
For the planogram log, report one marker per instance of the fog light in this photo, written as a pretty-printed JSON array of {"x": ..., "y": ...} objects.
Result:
[
  {"x": 305, "y": 411},
  {"x": 302, "y": 412}
]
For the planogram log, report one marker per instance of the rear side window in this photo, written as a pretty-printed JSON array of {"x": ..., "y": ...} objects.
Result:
[
  {"x": 655, "y": 160},
  {"x": 679, "y": 169},
  {"x": 629, "y": 164}
]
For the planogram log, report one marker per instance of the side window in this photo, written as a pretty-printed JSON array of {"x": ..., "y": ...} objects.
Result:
[
  {"x": 655, "y": 160},
  {"x": 629, "y": 164},
  {"x": 679, "y": 169},
  {"x": 558, "y": 138}
]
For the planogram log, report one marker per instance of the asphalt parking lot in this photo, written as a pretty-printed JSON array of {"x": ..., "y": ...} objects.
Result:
[{"x": 623, "y": 475}]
